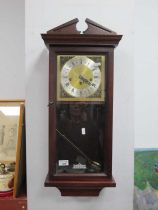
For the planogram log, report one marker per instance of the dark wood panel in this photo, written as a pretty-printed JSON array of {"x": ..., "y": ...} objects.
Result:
[{"x": 10, "y": 203}]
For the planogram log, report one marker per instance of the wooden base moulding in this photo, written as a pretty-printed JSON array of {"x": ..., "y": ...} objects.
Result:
[{"x": 80, "y": 187}]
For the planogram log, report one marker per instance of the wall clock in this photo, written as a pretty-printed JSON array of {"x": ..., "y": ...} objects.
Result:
[{"x": 80, "y": 108}]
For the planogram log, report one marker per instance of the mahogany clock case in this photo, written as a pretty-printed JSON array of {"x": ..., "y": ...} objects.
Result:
[{"x": 95, "y": 41}]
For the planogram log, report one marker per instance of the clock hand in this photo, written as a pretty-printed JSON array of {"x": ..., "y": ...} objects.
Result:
[
  {"x": 85, "y": 80},
  {"x": 93, "y": 164}
]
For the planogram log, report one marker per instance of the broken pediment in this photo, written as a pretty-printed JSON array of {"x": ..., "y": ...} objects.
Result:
[
  {"x": 70, "y": 28},
  {"x": 67, "y": 33}
]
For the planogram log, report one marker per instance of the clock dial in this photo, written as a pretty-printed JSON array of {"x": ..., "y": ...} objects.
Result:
[{"x": 81, "y": 77}]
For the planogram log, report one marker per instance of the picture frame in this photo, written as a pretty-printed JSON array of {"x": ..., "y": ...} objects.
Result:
[{"x": 12, "y": 140}]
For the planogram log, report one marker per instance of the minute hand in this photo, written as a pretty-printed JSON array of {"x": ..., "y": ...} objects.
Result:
[{"x": 84, "y": 80}]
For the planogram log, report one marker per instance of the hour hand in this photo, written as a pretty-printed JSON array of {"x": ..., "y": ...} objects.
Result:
[{"x": 84, "y": 80}]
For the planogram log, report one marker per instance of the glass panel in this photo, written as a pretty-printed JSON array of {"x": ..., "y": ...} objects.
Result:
[
  {"x": 79, "y": 134},
  {"x": 9, "y": 123}
]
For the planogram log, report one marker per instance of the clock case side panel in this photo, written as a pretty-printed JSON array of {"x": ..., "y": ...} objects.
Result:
[
  {"x": 109, "y": 115},
  {"x": 88, "y": 184},
  {"x": 52, "y": 112}
]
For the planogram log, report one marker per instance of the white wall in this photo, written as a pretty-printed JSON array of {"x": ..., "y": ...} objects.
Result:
[
  {"x": 146, "y": 74},
  {"x": 40, "y": 17},
  {"x": 12, "y": 49}
]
